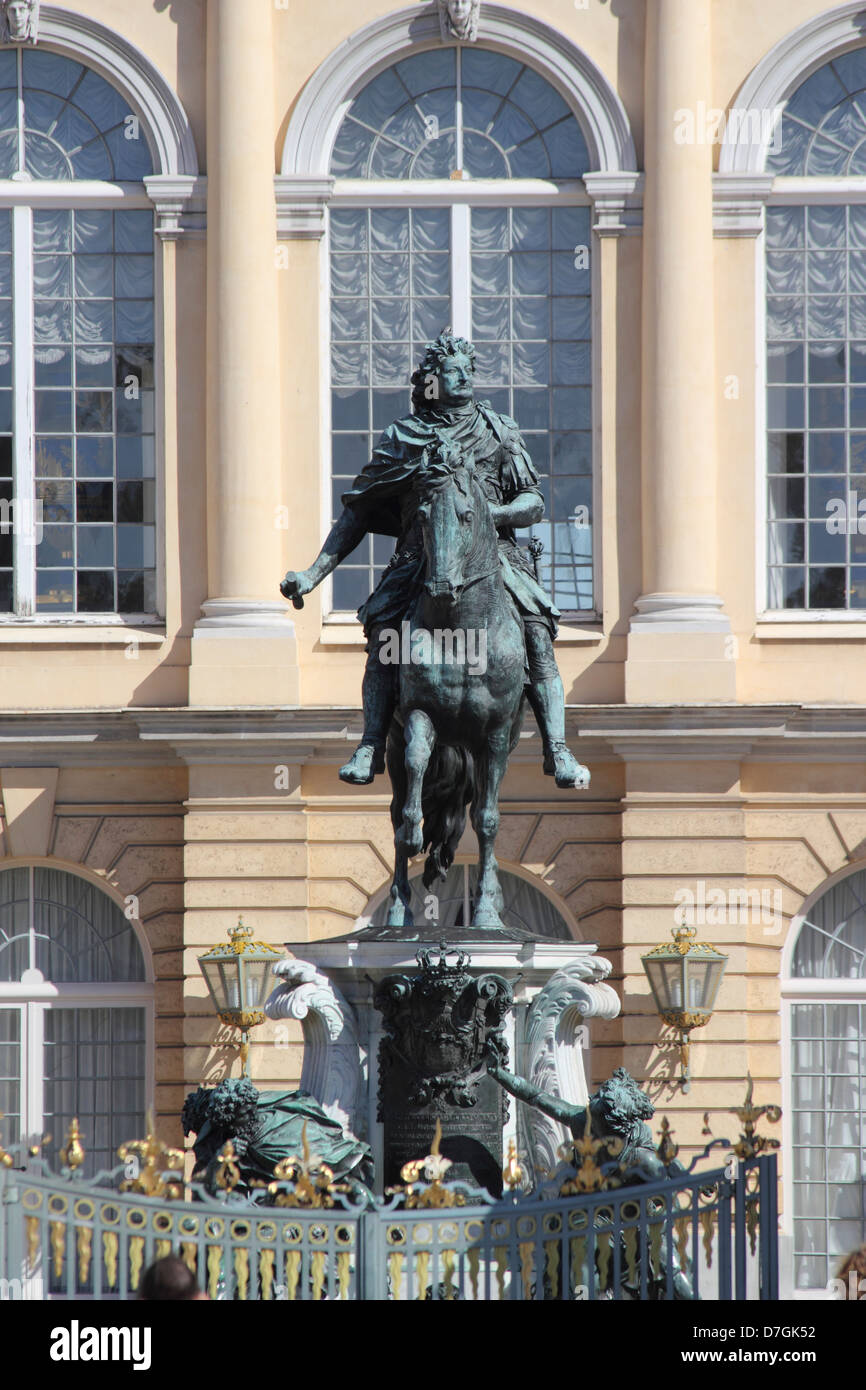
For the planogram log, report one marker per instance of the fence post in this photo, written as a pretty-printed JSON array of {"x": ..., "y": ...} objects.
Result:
[
  {"x": 740, "y": 1234},
  {"x": 367, "y": 1273},
  {"x": 3, "y": 1272},
  {"x": 723, "y": 1213},
  {"x": 768, "y": 1231}
]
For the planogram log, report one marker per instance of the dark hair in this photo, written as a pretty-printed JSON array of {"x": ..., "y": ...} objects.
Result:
[
  {"x": 167, "y": 1280},
  {"x": 448, "y": 344},
  {"x": 856, "y": 1261}
]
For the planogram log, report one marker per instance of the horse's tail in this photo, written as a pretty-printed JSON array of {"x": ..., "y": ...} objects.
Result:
[{"x": 447, "y": 789}]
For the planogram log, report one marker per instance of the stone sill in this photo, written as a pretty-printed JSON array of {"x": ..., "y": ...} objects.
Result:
[
  {"x": 812, "y": 630},
  {"x": 350, "y": 634},
  {"x": 78, "y": 635}
]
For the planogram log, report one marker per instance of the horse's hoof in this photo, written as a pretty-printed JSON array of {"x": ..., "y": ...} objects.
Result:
[
  {"x": 486, "y": 916},
  {"x": 363, "y": 765},
  {"x": 561, "y": 764},
  {"x": 399, "y": 915}
]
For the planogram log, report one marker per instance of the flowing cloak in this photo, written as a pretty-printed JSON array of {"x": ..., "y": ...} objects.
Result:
[
  {"x": 279, "y": 1133},
  {"x": 495, "y": 445}
]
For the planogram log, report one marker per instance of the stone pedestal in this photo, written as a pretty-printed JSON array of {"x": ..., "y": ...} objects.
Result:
[{"x": 557, "y": 986}]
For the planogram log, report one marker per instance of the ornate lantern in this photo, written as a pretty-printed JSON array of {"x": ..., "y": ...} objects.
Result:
[
  {"x": 684, "y": 978},
  {"x": 239, "y": 978}
]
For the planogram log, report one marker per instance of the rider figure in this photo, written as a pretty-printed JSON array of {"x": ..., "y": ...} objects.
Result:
[{"x": 445, "y": 411}]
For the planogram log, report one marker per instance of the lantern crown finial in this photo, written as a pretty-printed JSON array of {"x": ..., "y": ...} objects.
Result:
[{"x": 240, "y": 933}]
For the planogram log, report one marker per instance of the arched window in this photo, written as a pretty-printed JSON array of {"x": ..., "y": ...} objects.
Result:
[
  {"x": 524, "y": 906},
  {"x": 77, "y": 413},
  {"x": 826, "y": 1027},
  {"x": 75, "y": 1008},
  {"x": 447, "y": 166},
  {"x": 816, "y": 343}
]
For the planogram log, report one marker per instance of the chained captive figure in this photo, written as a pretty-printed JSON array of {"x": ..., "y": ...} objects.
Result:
[{"x": 445, "y": 412}]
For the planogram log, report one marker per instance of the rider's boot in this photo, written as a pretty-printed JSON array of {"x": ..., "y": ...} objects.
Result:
[
  {"x": 378, "y": 697},
  {"x": 547, "y": 699}
]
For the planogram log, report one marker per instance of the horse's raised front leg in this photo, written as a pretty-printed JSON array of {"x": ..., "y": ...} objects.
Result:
[
  {"x": 420, "y": 737},
  {"x": 485, "y": 822}
]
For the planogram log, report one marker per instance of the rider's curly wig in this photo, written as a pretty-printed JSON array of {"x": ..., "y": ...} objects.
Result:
[
  {"x": 448, "y": 344},
  {"x": 231, "y": 1106}
]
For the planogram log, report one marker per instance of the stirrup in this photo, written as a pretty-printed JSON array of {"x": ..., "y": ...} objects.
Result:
[
  {"x": 561, "y": 764},
  {"x": 365, "y": 762}
]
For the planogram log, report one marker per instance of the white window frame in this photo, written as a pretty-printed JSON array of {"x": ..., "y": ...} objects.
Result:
[
  {"x": 24, "y": 196},
  {"x": 742, "y": 167},
  {"x": 790, "y": 192},
  {"x": 304, "y": 189},
  {"x": 803, "y": 990},
  {"x": 175, "y": 192},
  {"x": 460, "y": 197}
]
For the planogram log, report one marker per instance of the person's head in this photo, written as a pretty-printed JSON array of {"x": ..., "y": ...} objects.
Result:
[
  {"x": 445, "y": 373},
  {"x": 169, "y": 1280}
]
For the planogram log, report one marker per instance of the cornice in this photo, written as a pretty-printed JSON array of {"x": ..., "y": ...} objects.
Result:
[{"x": 179, "y": 736}]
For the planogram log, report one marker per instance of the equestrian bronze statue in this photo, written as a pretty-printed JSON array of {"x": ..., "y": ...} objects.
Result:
[{"x": 458, "y": 629}]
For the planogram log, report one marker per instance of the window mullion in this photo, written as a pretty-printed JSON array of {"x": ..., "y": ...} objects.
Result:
[
  {"x": 26, "y": 532},
  {"x": 461, "y": 270},
  {"x": 21, "y": 127},
  {"x": 33, "y": 1053}
]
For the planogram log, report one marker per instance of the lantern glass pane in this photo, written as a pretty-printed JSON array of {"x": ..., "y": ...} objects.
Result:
[
  {"x": 257, "y": 975},
  {"x": 715, "y": 971},
  {"x": 697, "y": 977},
  {"x": 211, "y": 972},
  {"x": 665, "y": 977}
]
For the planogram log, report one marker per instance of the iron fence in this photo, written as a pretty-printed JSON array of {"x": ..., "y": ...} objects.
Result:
[{"x": 710, "y": 1235}]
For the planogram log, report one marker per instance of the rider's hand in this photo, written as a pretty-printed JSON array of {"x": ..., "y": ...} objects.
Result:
[{"x": 294, "y": 586}]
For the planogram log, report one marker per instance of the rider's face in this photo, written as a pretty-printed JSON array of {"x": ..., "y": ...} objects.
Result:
[{"x": 455, "y": 379}]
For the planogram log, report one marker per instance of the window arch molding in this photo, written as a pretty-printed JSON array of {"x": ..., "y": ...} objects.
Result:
[
  {"x": 784, "y": 68},
  {"x": 111, "y": 55},
  {"x": 313, "y": 125},
  {"x": 461, "y": 861},
  {"x": 102, "y": 885}
]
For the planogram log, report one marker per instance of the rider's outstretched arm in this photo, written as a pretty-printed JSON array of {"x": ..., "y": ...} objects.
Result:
[
  {"x": 347, "y": 532},
  {"x": 553, "y": 1106},
  {"x": 524, "y": 510}
]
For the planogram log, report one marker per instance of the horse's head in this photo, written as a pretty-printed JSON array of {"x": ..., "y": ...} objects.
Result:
[{"x": 451, "y": 514}]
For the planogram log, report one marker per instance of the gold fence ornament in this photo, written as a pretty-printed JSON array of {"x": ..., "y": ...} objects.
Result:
[
  {"x": 228, "y": 1174},
  {"x": 666, "y": 1149},
  {"x": 431, "y": 1170},
  {"x": 72, "y": 1153},
  {"x": 751, "y": 1144},
  {"x": 151, "y": 1159},
  {"x": 5, "y": 1158},
  {"x": 312, "y": 1180},
  {"x": 581, "y": 1154},
  {"x": 512, "y": 1173}
]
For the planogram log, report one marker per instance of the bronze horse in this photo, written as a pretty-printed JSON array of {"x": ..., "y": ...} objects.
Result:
[{"x": 457, "y": 720}]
